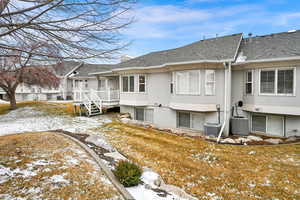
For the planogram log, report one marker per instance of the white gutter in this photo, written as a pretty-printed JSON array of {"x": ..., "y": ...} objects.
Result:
[
  {"x": 163, "y": 65},
  {"x": 268, "y": 60},
  {"x": 225, "y": 100},
  {"x": 176, "y": 63},
  {"x": 105, "y": 72}
]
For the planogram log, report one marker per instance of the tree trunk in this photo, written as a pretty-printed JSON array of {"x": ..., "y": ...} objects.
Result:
[{"x": 12, "y": 99}]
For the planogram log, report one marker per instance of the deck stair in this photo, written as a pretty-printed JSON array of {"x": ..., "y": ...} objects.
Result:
[{"x": 90, "y": 102}]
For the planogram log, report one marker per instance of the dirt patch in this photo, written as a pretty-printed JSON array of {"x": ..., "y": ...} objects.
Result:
[
  {"x": 49, "y": 166},
  {"x": 211, "y": 171}
]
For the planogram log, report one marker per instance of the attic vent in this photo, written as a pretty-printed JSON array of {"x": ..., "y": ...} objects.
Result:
[{"x": 292, "y": 31}]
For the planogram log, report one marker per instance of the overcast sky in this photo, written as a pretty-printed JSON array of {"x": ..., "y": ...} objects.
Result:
[{"x": 165, "y": 24}]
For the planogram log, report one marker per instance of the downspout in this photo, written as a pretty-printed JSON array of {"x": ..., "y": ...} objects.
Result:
[{"x": 225, "y": 99}]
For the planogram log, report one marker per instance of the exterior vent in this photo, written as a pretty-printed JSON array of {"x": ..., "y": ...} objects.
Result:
[
  {"x": 212, "y": 129},
  {"x": 240, "y": 126}
]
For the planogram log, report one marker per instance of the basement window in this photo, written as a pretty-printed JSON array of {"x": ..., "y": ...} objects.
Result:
[
  {"x": 144, "y": 114},
  {"x": 259, "y": 123},
  {"x": 190, "y": 120}
]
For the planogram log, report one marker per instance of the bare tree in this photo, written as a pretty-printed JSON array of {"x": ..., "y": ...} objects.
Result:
[
  {"x": 33, "y": 32},
  {"x": 80, "y": 29},
  {"x": 18, "y": 67}
]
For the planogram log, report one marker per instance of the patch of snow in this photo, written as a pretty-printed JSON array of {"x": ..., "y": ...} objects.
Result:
[
  {"x": 3, "y": 102},
  {"x": 115, "y": 155},
  {"x": 71, "y": 160},
  {"x": 28, "y": 119},
  {"x": 59, "y": 179},
  {"x": 100, "y": 142},
  {"x": 41, "y": 163}
]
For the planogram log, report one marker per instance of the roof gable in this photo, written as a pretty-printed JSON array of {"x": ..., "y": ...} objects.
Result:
[{"x": 274, "y": 46}]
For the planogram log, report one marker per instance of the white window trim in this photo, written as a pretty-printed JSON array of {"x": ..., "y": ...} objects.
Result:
[
  {"x": 214, "y": 82},
  {"x": 144, "y": 114},
  {"x": 252, "y": 82},
  {"x": 276, "y": 82},
  {"x": 144, "y": 83},
  {"x": 267, "y": 123},
  {"x": 134, "y": 87},
  {"x": 176, "y": 83},
  {"x": 191, "y": 120}
]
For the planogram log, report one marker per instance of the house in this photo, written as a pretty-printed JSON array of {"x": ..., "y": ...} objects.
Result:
[
  {"x": 26, "y": 92},
  {"x": 186, "y": 87},
  {"x": 266, "y": 77}
]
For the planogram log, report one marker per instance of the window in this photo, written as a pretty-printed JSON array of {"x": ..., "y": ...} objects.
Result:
[
  {"x": 101, "y": 84},
  {"x": 190, "y": 120},
  {"x": 249, "y": 82},
  {"x": 125, "y": 84},
  {"x": 142, "y": 83},
  {"x": 143, "y": 114},
  {"x": 188, "y": 82},
  {"x": 277, "y": 81},
  {"x": 267, "y": 82},
  {"x": 131, "y": 83},
  {"x": 86, "y": 84},
  {"x": 184, "y": 120},
  {"x": 285, "y": 83},
  {"x": 270, "y": 124},
  {"x": 259, "y": 123},
  {"x": 210, "y": 82},
  {"x": 139, "y": 114}
]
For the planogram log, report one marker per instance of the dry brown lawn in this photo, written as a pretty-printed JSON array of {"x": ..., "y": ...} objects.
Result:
[
  {"x": 49, "y": 166},
  {"x": 51, "y": 108},
  {"x": 211, "y": 171}
]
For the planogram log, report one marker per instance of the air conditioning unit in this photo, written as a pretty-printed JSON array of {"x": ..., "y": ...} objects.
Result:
[
  {"x": 212, "y": 129},
  {"x": 240, "y": 126}
]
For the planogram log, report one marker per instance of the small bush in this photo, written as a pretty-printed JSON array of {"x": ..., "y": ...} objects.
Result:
[{"x": 128, "y": 173}]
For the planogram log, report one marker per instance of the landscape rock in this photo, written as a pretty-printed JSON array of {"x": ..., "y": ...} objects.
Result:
[
  {"x": 291, "y": 139},
  {"x": 252, "y": 152},
  {"x": 242, "y": 140},
  {"x": 228, "y": 140},
  {"x": 274, "y": 141},
  {"x": 125, "y": 115},
  {"x": 125, "y": 120},
  {"x": 254, "y": 138}
]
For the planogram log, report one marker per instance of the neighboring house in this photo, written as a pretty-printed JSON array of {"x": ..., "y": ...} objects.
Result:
[
  {"x": 184, "y": 87},
  {"x": 26, "y": 92}
]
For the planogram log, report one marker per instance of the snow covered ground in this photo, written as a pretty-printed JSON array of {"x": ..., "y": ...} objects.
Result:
[
  {"x": 28, "y": 119},
  {"x": 3, "y": 102}
]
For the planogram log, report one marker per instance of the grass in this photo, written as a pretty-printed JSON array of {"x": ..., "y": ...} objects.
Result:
[
  {"x": 51, "y": 108},
  {"x": 210, "y": 171},
  {"x": 64, "y": 171}
]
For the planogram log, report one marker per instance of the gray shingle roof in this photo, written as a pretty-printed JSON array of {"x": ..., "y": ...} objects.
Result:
[
  {"x": 86, "y": 69},
  {"x": 215, "y": 49},
  {"x": 66, "y": 67},
  {"x": 280, "y": 45}
]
